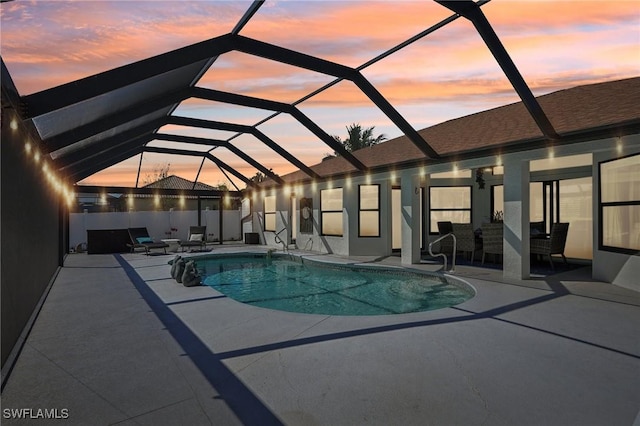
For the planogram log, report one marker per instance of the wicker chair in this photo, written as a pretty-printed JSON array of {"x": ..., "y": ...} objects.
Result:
[
  {"x": 465, "y": 238},
  {"x": 492, "y": 236},
  {"x": 446, "y": 245},
  {"x": 554, "y": 244},
  {"x": 536, "y": 228}
]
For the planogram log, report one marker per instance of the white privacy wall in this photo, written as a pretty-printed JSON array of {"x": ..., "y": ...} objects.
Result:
[{"x": 158, "y": 223}]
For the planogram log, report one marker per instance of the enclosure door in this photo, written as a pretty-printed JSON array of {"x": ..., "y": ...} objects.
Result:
[{"x": 293, "y": 219}]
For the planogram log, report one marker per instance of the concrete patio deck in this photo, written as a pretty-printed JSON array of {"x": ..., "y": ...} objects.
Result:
[{"x": 119, "y": 342}]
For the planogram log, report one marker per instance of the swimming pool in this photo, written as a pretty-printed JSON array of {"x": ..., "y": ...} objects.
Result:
[{"x": 293, "y": 284}]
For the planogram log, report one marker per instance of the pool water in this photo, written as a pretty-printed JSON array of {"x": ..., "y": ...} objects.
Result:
[{"x": 308, "y": 287}]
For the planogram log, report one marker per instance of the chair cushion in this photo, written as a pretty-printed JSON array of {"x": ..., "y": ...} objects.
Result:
[
  {"x": 195, "y": 237},
  {"x": 143, "y": 240}
]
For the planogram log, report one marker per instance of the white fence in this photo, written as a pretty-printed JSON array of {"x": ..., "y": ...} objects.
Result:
[{"x": 158, "y": 223}]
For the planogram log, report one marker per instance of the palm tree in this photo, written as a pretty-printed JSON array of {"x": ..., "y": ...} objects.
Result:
[
  {"x": 358, "y": 138},
  {"x": 260, "y": 177}
]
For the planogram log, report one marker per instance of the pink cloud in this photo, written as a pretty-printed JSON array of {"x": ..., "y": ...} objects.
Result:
[{"x": 556, "y": 44}]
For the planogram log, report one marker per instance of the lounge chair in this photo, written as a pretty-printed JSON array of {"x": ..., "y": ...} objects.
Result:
[
  {"x": 197, "y": 238},
  {"x": 554, "y": 244},
  {"x": 140, "y": 239}
]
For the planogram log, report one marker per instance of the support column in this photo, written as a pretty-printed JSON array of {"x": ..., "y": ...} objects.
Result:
[
  {"x": 410, "y": 211},
  {"x": 220, "y": 219},
  {"x": 516, "y": 219},
  {"x": 200, "y": 213}
]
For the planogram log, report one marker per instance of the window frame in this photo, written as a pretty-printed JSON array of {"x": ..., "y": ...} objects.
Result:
[
  {"x": 360, "y": 210},
  {"x": 602, "y": 205},
  {"x": 322, "y": 213},
  {"x": 431, "y": 209},
  {"x": 269, "y": 213}
]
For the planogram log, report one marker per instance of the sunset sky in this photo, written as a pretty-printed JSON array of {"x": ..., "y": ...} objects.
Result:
[{"x": 448, "y": 74}]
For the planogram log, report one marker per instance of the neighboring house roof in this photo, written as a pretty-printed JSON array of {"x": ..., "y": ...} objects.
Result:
[
  {"x": 176, "y": 182},
  {"x": 581, "y": 110}
]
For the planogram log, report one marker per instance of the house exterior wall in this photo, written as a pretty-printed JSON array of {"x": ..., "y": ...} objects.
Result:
[
  {"x": 617, "y": 268},
  {"x": 30, "y": 235}
]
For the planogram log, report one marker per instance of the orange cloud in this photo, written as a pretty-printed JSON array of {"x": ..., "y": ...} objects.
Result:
[{"x": 555, "y": 44}]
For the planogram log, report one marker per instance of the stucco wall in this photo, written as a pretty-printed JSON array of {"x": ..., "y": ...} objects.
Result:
[
  {"x": 29, "y": 235},
  {"x": 617, "y": 268},
  {"x": 611, "y": 267}
]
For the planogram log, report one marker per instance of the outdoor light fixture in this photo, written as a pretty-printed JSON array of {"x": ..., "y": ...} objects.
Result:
[
  {"x": 497, "y": 170},
  {"x": 13, "y": 124},
  {"x": 619, "y": 145},
  {"x": 27, "y": 147},
  {"x": 36, "y": 156}
]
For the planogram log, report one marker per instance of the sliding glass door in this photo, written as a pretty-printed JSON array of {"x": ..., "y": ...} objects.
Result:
[{"x": 568, "y": 200}]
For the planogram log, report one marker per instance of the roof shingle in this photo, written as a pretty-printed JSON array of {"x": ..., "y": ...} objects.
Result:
[
  {"x": 176, "y": 182},
  {"x": 576, "y": 110}
]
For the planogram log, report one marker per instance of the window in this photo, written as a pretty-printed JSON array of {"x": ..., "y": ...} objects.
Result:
[
  {"x": 449, "y": 203},
  {"x": 270, "y": 213},
  {"x": 369, "y": 211},
  {"x": 537, "y": 201},
  {"x": 620, "y": 205},
  {"x": 331, "y": 211}
]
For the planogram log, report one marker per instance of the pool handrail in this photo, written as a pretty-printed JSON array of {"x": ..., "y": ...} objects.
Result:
[
  {"x": 453, "y": 257},
  {"x": 279, "y": 240}
]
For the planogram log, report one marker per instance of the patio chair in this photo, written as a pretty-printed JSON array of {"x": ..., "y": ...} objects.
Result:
[
  {"x": 140, "y": 239},
  {"x": 465, "y": 238},
  {"x": 536, "y": 228},
  {"x": 492, "y": 235},
  {"x": 446, "y": 245},
  {"x": 197, "y": 238},
  {"x": 554, "y": 244}
]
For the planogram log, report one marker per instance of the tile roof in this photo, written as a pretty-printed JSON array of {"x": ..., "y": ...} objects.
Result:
[
  {"x": 571, "y": 111},
  {"x": 176, "y": 182}
]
